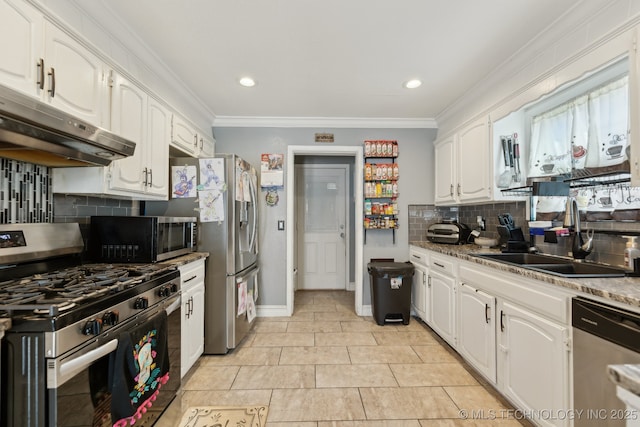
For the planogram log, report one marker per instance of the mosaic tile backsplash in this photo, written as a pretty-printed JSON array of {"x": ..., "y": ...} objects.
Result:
[
  {"x": 26, "y": 197},
  {"x": 25, "y": 192}
]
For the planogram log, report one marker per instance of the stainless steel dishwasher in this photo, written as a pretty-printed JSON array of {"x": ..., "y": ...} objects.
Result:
[{"x": 602, "y": 335}]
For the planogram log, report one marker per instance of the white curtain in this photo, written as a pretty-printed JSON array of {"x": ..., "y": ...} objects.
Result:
[
  {"x": 550, "y": 133},
  {"x": 589, "y": 131},
  {"x": 608, "y": 124}
]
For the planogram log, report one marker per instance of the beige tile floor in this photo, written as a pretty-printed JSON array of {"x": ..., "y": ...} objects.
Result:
[{"x": 325, "y": 366}]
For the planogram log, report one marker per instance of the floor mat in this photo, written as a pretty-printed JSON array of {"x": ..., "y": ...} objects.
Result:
[{"x": 250, "y": 416}]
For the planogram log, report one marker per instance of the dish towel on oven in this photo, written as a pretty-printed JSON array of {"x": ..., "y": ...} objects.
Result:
[{"x": 139, "y": 368}]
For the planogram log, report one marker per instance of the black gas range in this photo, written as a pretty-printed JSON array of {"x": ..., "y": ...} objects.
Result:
[{"x": 71, "y": 325}]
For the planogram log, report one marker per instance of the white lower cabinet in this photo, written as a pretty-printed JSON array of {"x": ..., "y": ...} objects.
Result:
[
  {"x": 534, "y": 363},
  {"x": 477, "y": 329},
  {"x": 419, "y": 290},
  {"x": 192, "y": 329},
  {"x": 442, "y": 290},
  {"x": 513, "y": 330}
]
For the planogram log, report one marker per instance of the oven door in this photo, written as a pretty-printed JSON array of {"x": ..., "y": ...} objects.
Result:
[{"x": 79, "y": 385}]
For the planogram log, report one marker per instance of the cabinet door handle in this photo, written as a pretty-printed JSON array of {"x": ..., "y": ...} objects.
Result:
[
  {"x": 201, "y": 143},
  {"x": 458, "y": 189},
  {"x": 429, "y": 281},
  {"x": 451, "y": 190},
  {"x": 144, "y": 171},
  {"x": 40, "y": 82},
  {"x": 52, "y": 90},
  {"x": 486, "y": 313},
  {"x": 501, "y": 321},
  {"x": 424, "y": 279},
  {"x": 150, "y": 177},
  {"x": 195, "y": 141},
  {"x": 439, "y": 265},
  {"x": 190, "y": 306},
  {"x": 190, "y": 279}
]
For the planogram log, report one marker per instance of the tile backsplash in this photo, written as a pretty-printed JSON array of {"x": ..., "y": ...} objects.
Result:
[
  {"x": 609, "y": 243},
  {"x": 26, "y": 197},
  {"x": 25, "y": 192}
]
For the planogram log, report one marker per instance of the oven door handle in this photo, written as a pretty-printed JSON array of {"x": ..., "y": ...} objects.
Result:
[{"x": 69, "y": 369}]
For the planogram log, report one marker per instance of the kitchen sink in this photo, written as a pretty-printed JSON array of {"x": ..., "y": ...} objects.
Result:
[
  {"x": 555, "y": 265},
  {"x": 524, "y": 258}
]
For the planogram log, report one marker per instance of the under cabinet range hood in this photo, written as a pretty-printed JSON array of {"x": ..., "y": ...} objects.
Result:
[{"x": 35, "y": 132}]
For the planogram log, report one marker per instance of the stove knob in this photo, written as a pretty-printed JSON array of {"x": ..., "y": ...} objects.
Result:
[
  {"x": 111, "y": 318},
  {"x": 92, "y": 327},
  {"x": 174, "y": 288},
  {"x": 141, "y": 303},
  {"x": 164, "y": 291}
]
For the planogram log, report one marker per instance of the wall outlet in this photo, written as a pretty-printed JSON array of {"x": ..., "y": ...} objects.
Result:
[{"x": 280, "y": 224}]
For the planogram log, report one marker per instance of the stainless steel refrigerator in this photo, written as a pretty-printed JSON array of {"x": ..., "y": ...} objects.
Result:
[{"x": 228, "y": 230}]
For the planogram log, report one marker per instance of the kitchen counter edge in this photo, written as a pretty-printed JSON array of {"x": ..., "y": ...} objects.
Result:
[
  {"x": 184, "y": 259},
  {"x": 625, "y": 290}
]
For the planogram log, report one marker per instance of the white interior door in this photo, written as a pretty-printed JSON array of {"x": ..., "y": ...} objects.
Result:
[{"x": 322, "y": 226}]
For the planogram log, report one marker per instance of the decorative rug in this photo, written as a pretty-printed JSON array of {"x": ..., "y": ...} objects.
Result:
[{"x": 205, "y": 416}]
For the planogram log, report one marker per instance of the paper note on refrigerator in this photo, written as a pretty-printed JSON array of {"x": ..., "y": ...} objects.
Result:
[
  {"x": 211, "y": 205},
  {"x": 211, "y": 174},
  {"x": 242, "y": 298},
  {"x": 251, "y": 307},
  {"x": 183, "y": 181}
]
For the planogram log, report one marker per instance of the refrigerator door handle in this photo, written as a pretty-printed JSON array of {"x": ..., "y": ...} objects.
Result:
[{"x": 254, "y": 206}]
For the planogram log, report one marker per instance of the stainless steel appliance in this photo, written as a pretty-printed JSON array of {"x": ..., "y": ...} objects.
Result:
[
  {"x": 140, "y": 238},
  {"x": 232, "y": 243},
  {"x": 69, "y": 323},
  {"x": 453, "y": 232},
  {"x": 602, "y": 335},
  {"x": 33, "y": 131}
]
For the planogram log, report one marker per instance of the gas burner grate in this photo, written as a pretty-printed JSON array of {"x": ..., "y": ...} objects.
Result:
[{"x": 54, "y": 292}]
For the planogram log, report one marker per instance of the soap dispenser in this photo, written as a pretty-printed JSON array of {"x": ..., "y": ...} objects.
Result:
[{"x": 631, "y": 252}]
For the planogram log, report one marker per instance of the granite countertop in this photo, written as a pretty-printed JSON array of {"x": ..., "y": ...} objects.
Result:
[
  {"x": 625, "y": 376},
  {"x": 624, "y": 290},
  {"x": 184, "y": 259}
]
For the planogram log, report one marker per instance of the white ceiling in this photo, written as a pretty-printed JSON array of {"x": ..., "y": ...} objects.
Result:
[{"x": 335, "y": 58}]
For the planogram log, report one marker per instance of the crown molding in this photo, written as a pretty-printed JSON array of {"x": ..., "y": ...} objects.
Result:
[{"x": 325, "y": 122}]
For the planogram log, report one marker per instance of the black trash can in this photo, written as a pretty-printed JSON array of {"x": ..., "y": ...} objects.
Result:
[{"x": 390, "y": 290}]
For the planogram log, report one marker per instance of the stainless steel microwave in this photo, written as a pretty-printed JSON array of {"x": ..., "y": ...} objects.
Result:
[{"x": 140, "y": 238}]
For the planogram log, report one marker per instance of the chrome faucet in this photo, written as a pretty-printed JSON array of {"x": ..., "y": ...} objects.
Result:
[{"x": 579, "y": 248}]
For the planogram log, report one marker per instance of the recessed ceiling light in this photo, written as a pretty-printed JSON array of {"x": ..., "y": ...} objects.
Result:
[
  {"x": 247, "y": 82},
  {"x": 412, "y": 84}
]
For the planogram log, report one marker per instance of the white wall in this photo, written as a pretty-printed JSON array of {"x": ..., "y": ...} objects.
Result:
[{"x": 415, "y": 187}]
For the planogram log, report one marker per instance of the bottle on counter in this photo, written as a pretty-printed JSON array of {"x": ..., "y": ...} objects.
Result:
[{"x": 631, "y": 252}]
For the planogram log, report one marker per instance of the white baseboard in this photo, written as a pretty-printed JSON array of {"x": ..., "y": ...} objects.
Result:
[
  {"x": 366, "y": 310},
  {"x": 271, "y": 311},
  {"x": 351, "y": 286}
]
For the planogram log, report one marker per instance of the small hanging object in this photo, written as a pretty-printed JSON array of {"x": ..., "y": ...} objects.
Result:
[{"x": 272, "y": 197}]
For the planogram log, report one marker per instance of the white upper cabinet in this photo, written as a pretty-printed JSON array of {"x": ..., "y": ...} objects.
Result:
[
  {"x": 139, "y": 117},
  {"x": 207, "y": 146},
  {"x": 184, "y": 136},
  {"x": 158, "y": 138},
  {"x": 41, "y": 60},
  {"x": 21, "y": 27},
  {"x": 474, "y": 162},
  {"x": 445, "y": 166},
  {"x": 75, "y": 78},
  {"x": 145, "y": 175},
  {"x": 128, "y": 119},
  {"x": 463, "y": 166}
]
